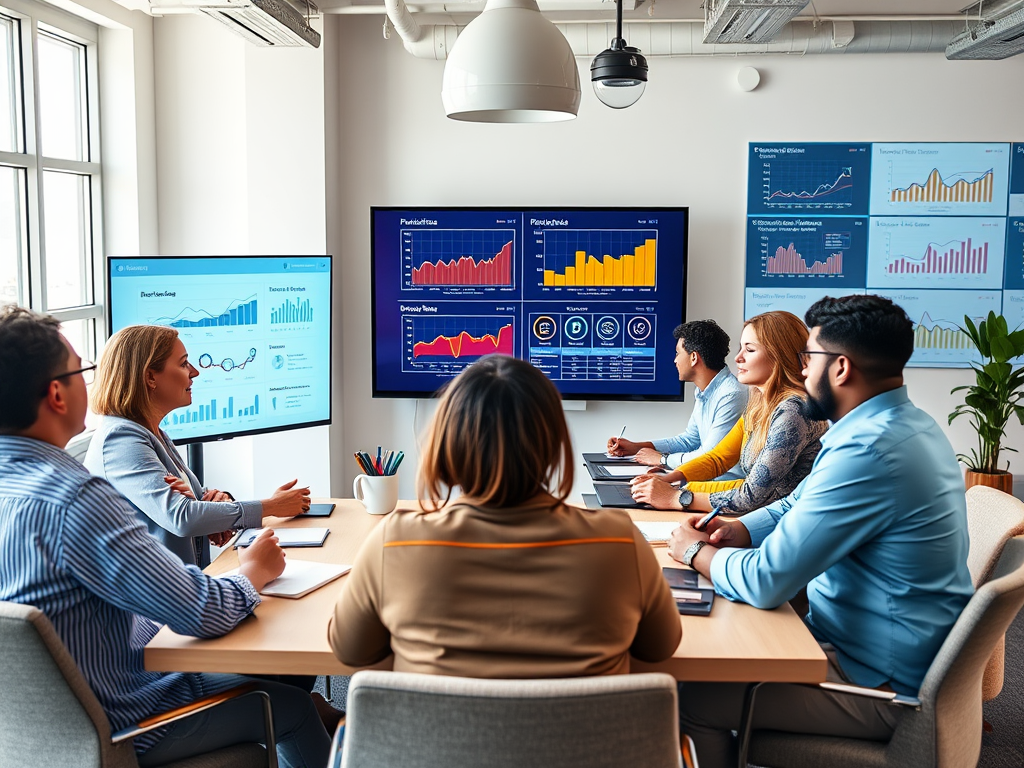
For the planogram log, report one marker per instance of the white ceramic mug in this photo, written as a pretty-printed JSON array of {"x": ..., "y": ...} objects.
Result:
[{"x": 379, "y": 493}]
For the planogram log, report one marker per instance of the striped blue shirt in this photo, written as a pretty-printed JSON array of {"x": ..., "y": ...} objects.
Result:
[{"x": 72, "y": 546}]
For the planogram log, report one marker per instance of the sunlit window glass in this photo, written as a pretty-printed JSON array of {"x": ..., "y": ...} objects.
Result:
[
  {"x": 66, "y": 203},
  {"x": 12, "y": 233},
  {"x": 61, "y": 98},
  {"x": 10, "y": 111}
]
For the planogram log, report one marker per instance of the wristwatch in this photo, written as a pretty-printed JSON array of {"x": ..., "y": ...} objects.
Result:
[
  {"x": 691, "y": 552},
  {"x": 685, "y": 498},
  {"x": 664, "y": 459}
]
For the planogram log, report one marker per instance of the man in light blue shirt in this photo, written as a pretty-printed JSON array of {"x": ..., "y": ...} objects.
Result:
[
  {"x": 877, "y": 532},
  {"x": 719, "y": 400}
]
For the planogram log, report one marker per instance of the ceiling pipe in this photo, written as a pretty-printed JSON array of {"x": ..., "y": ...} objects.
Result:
[{"x": 683, "y": 38}]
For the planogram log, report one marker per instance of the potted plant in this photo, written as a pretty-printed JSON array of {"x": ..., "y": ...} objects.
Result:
[{"x": 995, "y": 396}]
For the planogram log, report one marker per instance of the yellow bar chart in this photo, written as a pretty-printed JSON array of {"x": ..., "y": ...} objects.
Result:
[{"x": 638, "y": 268}]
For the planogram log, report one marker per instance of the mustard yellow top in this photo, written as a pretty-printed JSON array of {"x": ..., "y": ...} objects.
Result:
[
  {"x": 791, "y": 445},
  {"x": 715, "y": 462}
]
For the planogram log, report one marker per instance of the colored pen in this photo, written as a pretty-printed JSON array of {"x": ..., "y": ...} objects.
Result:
[
  {"x": 398, "y": 460},
  {"x": 703, "y": 522}
]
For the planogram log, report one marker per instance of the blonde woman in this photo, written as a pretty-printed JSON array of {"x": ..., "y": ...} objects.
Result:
[
  {"x": 504, "y": 579},
  {"x": 774, "y": 441},
  {"x": 145, "y": 374}
]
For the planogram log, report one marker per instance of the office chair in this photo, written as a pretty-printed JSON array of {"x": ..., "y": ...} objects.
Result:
[
  {"x": 52, "y": 718},
  {"x": 429, "y": 721},
  {"x": 993, "y": 517},
  {"x": 942, "y": 726}
]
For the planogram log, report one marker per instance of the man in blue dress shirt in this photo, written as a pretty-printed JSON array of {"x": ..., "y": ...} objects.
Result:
[
  {"x": 719, "y": 400},
  {"x": 72, "y": 546},
  {"x": 877, "y": 532}
]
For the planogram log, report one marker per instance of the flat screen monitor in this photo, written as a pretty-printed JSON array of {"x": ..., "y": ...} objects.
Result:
[
  {"x": 258, "y": 328},
  {"x": 590, "y": 296}
]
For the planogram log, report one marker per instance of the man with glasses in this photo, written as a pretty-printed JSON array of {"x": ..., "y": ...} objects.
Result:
[
  {"x": 877, "y": 532},
  {"x": 72, "y": 546}
]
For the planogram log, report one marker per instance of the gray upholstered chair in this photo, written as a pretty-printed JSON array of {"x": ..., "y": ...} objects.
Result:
[
  {"x": 993, "y": 517},
  {"x": 942, "y": 727},
  {"x": 51, "y": 717},
  {"x": 428, "y": 721}
]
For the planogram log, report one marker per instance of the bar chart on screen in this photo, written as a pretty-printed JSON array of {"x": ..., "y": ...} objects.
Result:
[
  {"x": 452, "y": 258},
  {"x": 937, "y": 251},
  {"x": 600, "y": 258}
]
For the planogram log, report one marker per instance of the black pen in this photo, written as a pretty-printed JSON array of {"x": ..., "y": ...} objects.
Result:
[{"x": 703, "y": 522}]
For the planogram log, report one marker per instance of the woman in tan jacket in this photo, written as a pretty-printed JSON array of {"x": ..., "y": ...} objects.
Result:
[{"x": 497, "y": 576}]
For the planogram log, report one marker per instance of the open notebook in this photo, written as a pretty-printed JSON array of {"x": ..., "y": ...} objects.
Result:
[{"x": 301, "y": 577}]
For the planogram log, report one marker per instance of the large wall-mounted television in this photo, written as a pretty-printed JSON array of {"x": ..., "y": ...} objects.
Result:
[
  {"x": 590, "y": 296},
  {"x": 258, "y": 328}
]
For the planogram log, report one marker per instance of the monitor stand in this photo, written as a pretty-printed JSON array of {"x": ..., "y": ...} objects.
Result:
[{"x": 195, "y": 461}]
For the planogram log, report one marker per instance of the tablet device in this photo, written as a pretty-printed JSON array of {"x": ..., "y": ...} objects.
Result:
[{"x": 319, "y": 510}]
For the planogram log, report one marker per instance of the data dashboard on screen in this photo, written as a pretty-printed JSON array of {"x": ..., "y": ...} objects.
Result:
[
  {"x": 938, "y": 227},
  {"x": 258, "y": 329},
  {"x": 590, "y": 296}
]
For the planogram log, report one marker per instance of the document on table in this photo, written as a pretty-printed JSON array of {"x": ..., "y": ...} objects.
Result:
[
  {"x": 631, "y": 470},
  {"x": 300, "y": 577},
  {"x": 656, "y": 533}
]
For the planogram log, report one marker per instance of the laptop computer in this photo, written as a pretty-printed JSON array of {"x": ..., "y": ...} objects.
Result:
[{"x": 616, "y": 495}]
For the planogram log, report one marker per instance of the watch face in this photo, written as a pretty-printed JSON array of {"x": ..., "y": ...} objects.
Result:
[{"x": 686, "y": 497}]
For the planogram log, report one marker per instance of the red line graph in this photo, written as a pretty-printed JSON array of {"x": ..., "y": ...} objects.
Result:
[
  {"x": 465, "y": 345},
  {"x": 467, "y": 271}
]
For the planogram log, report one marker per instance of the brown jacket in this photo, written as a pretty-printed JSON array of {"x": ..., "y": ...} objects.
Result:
[{"x": 534, "y": 591}]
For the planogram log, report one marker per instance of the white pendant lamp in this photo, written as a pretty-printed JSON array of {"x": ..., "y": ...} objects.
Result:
[{"x": 511, "y": 65}]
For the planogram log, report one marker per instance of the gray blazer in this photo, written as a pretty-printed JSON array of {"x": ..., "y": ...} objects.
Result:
[{"x": 134, "y": 461}]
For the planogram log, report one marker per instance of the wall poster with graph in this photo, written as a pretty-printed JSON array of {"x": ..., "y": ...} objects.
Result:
[
  {"x": 937, "y": 227},
  {"x": 588, "y": 295}
]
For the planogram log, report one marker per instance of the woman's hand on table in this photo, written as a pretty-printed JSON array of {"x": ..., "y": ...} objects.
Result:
[{"x": 287, "y": 501}]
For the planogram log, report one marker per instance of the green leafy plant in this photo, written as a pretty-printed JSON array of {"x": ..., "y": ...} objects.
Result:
[{"x": 997, "y": 393}]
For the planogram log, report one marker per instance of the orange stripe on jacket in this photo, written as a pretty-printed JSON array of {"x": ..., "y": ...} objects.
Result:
[{"x": 509, "y": 545}]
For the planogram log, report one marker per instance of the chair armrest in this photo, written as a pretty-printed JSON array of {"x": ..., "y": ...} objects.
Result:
[
  {"x": 201, "y": 705},
  {"x": 873, "y": 693}
]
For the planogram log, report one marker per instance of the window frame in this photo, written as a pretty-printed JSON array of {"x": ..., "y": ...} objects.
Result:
[{"x": 32, "y": 20}]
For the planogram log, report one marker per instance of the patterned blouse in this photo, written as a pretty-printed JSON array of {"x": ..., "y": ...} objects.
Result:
[{"x": 786, "y": 459}]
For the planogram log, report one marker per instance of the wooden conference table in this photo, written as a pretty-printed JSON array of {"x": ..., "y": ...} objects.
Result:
[{"x": 737, "y": 643}]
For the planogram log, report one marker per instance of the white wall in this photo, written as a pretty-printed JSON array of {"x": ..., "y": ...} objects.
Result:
[
  {"x": 683, "y": 143},
  {"x": 240, "y": 164}
]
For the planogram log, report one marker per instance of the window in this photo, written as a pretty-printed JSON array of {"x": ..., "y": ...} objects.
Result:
[{"x": 50, "y": 248}]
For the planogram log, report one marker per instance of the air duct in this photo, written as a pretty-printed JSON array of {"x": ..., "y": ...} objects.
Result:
[
  {"x": 261, "y": 22},
  {"x": 989, "y": 38}
]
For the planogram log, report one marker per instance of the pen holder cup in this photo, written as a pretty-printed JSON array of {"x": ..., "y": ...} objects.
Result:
[{"x": 379, "y": 493}]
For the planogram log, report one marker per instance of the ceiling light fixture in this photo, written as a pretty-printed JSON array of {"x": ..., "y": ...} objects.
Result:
[
  {"x": 511, "y": 65},
  {"x": 619, "y": 73}
]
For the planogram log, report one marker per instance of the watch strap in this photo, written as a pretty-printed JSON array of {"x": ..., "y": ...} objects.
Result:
[{"x": 691, "y": 552}]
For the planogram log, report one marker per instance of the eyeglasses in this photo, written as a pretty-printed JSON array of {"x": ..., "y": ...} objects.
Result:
[
  {"x": 87, "y": 371},
  {"x": 805, "y": 355}
]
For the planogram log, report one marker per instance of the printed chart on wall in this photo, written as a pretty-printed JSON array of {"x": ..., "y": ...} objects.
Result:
[{"x": 937, "y": 227}]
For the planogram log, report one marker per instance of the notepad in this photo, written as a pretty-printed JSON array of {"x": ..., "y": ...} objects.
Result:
[
  {"x": 300, "y": 577},
  {"x": 656, "y": 533},
  {"x": 287, "y": 537}
]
